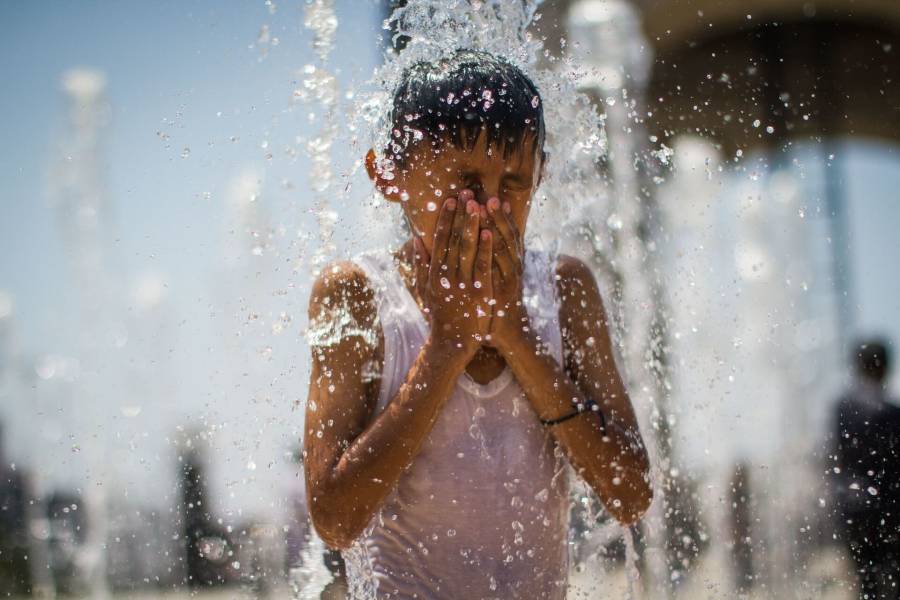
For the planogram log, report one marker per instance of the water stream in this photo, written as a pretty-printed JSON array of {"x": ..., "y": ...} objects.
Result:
[{"x": 574, "y": 184}]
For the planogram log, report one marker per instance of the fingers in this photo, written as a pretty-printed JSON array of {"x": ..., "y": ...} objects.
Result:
[
  {"x": 442, "y": 238},
  {"x": 422, "y": 262},
  {"x": 507, "y": 257},
  {"x": 496, "y": 277},
  {"x": 456, "y": 236},
  {"x": 504, "y": 223},
  {"x": 470, "y": 240},
  {"x": 482, "y": 275}
]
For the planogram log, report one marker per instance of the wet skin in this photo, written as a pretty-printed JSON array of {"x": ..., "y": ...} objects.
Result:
[
  {"x": 490, "y": 193},
  {"x": 354, "y": 457}
]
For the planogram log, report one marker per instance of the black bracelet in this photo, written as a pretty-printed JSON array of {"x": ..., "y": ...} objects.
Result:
[
  {"x": 561, "y": 419},
  {"x": 580, "y": 409}
]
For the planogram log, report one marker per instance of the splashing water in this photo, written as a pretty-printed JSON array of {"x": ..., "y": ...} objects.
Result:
[
  {"x": 310, "y": 576},
  {"x": 573, "y": 183},
  {"x": 319, "y": 91},
  {"x": 575, "y": 139},
  {"x": 635, "y": 589}
]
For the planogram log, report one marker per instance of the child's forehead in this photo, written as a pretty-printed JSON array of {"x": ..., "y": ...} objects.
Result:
[{"x": 452, "y": 157}]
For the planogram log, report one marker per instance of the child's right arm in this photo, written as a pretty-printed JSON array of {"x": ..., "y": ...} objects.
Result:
[{"x": 352, "y": 461}]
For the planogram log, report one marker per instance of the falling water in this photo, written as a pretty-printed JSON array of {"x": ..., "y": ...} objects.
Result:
[
  {"x": 574, "y": 188},
  {"x": 434, "y": 29},
  {"x": 635, "y": 589},
  {"x": 319, "y": 91},
  {"x": 309, "y": 577}
]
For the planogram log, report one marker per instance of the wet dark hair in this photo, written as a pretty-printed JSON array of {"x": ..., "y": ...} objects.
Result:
[
  {"x": 457, "y": 98},
  {"x": 873, "y": 358}
]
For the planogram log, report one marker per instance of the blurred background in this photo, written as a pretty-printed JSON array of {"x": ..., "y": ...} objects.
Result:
[{"x": 160, "y": 214}]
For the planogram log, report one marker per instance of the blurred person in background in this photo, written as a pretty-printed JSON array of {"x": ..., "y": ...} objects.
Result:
[
  {"x": 15, "y": 575},
  {"x": 866, "y": 472}
]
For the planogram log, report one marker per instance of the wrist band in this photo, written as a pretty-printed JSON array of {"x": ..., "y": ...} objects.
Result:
[
  {"x": 580, "y": 408},
  {"x": 561, "y": 419}
]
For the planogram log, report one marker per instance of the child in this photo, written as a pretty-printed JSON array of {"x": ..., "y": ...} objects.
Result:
[{"x": 447, "y": 373}]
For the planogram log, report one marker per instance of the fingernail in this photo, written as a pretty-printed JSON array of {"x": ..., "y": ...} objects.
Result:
[
  {"x": 494, "y": 203},
  {"x": 470, "y": 207},
  {"x": 507, "y": 208},
  {"x": 485, "y": 234},
  {"x": 451, "y": 203}
]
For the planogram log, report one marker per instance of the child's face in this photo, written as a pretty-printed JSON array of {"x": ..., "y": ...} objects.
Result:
[{"x": 430, "y": 176}]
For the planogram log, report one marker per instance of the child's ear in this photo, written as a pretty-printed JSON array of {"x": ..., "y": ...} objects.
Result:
[{"x": 388, "y": 189}]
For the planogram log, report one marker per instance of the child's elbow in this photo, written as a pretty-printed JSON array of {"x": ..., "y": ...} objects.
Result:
[
  {"x": 638, "y": 503},
  {"x": 338, "y": 527},
  {"x": 332, "y": 528},
  {"x": 641, "y": 504}
]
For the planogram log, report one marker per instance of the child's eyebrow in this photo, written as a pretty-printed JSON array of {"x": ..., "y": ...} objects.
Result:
[
  {"x": 514, "y": 178},
  {"x": 510, "y": 177}
]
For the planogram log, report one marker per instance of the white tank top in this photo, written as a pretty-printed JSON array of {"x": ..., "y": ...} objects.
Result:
[{"x": 482, "y": 512}]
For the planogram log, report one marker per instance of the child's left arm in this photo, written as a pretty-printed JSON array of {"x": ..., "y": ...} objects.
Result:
[{"x": 606, "y": 449}]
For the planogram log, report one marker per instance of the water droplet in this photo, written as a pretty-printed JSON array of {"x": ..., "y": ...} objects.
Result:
[
  {"x": 130, "y": 410},
  {"x": 445, "y": 283},
  {"x": 431, "y": 206},
  {"x": 614, "y": 222}
]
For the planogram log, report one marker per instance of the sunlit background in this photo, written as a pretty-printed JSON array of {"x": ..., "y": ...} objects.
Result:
[{"x": 159, "y": 233}]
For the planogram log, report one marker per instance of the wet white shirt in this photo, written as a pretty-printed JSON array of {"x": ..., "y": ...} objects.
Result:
[{"x": 483, "y": 510}]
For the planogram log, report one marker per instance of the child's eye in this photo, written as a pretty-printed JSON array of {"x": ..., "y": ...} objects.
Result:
[{"x": 513, "y": 186}]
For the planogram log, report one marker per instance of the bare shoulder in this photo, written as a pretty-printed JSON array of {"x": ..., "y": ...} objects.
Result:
[
  {"x": 575, "y": 281},
  {"x": 344, "y": 330},
  {"x": 582, "y": 317},
  {"x": 342, "y": 286}
]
